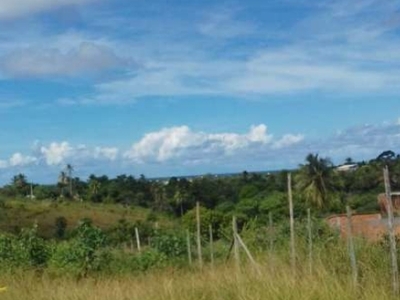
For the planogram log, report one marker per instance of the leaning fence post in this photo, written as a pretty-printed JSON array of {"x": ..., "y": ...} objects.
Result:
[
  {"x": 350, "y": 245},
  {"x": 392, "y": 236},
  {"x": 248, "y": 253},
  {"x": 137, "y": 239}
]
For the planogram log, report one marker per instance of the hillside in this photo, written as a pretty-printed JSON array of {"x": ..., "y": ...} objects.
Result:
[{"x": 17, "y": 214}]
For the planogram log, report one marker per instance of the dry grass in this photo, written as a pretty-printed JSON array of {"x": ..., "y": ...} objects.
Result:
[
  {"x": 275, "y": 280},
  {"x": 23, "y": 213}
]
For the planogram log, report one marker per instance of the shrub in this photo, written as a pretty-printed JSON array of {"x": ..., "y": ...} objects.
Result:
[
  {"x": 61, "y": 226},
  {"x": 172, "y": 244},
  {"x": 84, "y": 253}
]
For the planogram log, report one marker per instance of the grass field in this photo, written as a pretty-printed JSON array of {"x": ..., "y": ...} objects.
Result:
[
  {"x": 17, "y": 214},
  {"x": 275, "y": 280}
]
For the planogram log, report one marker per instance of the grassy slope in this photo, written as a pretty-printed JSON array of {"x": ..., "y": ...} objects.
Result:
[{"x": 18, "y": 214}]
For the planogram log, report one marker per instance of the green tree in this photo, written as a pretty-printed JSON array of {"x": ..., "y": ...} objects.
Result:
[
  {"x": 94, "y": 187},
  {"x": 315, "y": 180},
  {"x": 61, "y": 226},
  {"x": 180, "y": 198},
  {"x": 20, "y": 184},
  {"x": 69, "y": 169},
  {"x": 62, "y": 182}
]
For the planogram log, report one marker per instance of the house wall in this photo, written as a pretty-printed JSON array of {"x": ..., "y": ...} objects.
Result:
[{"x": 372, "y": 226}]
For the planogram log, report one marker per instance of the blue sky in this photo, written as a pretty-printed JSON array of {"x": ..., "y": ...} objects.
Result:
[{"x": 189, "y": 87}]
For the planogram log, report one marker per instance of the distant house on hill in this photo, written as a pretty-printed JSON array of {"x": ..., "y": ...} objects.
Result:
[{"x": 347, "y": 168}]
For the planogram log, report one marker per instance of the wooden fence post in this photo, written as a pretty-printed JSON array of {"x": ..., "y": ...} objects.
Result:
[
  {"x": 211, "y": 245},
  {"x": 189, "y": 248},
  {"x": 200, "y": 256},
  {"x": 392, "y": 236},
  {"x": 248, "y": 253},
  {"x": 350, "y": 244},
  {"x": 137, "y": 239},
  {"x": 271, "y": 233},
  {"x": 235, "y": 242},
  {"x": 292, "y": 245},
  {"x": 310, "y": 240}
]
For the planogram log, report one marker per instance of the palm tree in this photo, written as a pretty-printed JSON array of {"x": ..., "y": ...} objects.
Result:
[
  {"x": 158, "y": 192},
  {"x": 179, "y": 198},
  {"x": 69, "y": 169},
  {"x": 94, "y": 186},
  {"x": 62, "y": 181},
  {"x": 315, "y": 179}
]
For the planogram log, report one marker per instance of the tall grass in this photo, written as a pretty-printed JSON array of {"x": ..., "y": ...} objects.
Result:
[{"x": 275, "y": 279}]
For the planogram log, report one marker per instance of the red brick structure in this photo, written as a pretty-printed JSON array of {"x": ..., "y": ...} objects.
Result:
[
  {"x": 372, "y": 226},
  {"x": 383, "y": 203}
]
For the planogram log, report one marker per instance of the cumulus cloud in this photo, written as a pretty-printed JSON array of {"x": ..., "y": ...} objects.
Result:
[
  {"x": 110, "y": 153},
  {"x": 183, "y": 143},
  {"x": 16, "y": 8},
  {"x": 56, "y": 153},
  {"x": 182, "y": 149},
  {"x": 87, "y": 57},
  {"x": 18, "y": 159}
]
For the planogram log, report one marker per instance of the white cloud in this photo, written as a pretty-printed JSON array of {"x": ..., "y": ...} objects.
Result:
[
  {"x": 61, "y": 153},
  {"x": 19, "y": 160},
  {"x": 56, "y": 153},
  {"x": 110, "y": 153},
  {"x": 183, "y": 143},
  {"x": 164, "y": 144},
  {"x": 17, "y": 8},
  {"x": 362, "y": 142},
  {"x": 86, "y": 58},
  {"x": 184, "y": 150},
  {"x": 288, "y": 140}
]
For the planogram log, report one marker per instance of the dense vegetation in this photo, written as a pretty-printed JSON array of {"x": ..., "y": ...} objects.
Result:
[
  {"x": 88, "y": 228},
  {"x": 246, "y": 194}
]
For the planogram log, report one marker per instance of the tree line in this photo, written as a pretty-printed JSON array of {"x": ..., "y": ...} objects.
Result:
[{"x": 317, "y": 184}]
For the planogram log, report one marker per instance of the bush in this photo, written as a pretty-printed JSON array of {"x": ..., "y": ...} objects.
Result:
[
  {"x": 61, "y": 226},
  {"x": 26, "y": 249},
  {"x": 84, "y": 253},
  {"x": 172, "y": 244},
  {"x": 208, "y": 217}
]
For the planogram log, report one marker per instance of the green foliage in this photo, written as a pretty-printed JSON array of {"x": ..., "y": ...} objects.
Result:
[
  {"x": 61, "y": 227},
  {"x": 34, "y": 248},
  {"x": 170, "y": 243},
  {"x": 25, "y": 250},
  {"x": 274, "y": 203},
  {"x": 208, "y": 217},
  {"x": 150, "y": 259},
  {"x": 84, "y": 253}
]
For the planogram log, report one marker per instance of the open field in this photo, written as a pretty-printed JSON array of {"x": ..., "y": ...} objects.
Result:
[{"x": 275, "y": 280}]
